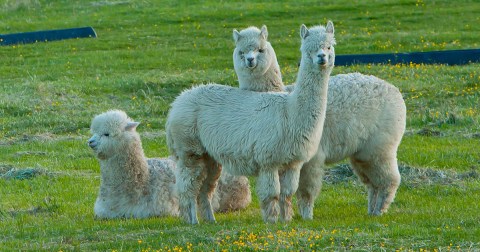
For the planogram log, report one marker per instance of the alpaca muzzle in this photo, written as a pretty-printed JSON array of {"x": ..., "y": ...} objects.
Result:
[
  {"x": 322, "y": 59},
  {"x": 91, "y": 143}
]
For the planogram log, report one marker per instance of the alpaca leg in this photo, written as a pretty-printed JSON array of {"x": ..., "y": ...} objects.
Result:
[
  {"x": 382, "y": 178},
  {"x": 372, "y": 198},
  {"x": 190, "y": 175},
  {"x": 310, "y": 184},
  {"x": 359, "y": 168},
  {"x": 288, "y": 187},
  {"x": 268, "y": 190},
  {"x": 387, "y": 191},
  {"x": 208, "y": 188}
]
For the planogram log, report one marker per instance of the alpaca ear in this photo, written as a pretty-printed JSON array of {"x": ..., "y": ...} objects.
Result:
[
  {"x": 330, "y": 27},
  {"x": 236, "y": 35},
  {"x": 304, "y": 31},
  {"x": 131, "y": 126},
  {"x": 264, "y": 32}
]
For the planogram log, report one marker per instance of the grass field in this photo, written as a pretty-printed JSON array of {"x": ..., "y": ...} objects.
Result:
[{"x": 148, "y": 51}]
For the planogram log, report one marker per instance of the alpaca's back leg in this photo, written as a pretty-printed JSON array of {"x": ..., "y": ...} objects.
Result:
[
  {"x": 268, "y": 191},
  {"x": 381, "y": 176},
  {"x": 310, "y": 184},
  {"x": 288, "y": 186},
  {"x": 191, "y": 172},
  {"x": 207, "y": 190}
]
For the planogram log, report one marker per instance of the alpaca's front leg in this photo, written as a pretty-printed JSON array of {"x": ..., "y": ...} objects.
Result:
[
  {"x": 310, "y": 184},
  {"x": 189, "y": 180},
  {"x": 288, "y": 187},
  {"x": 268, "y": 190},
  {"x": 208, "y": 188},
  {"x": 372, "y": 199}
]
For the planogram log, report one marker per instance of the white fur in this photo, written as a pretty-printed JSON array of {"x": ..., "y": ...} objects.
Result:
[
  {"x": 365, "y": 121},
  {"x": 254, "y": 57},
  {"x": 251, "y": 133},
  {"x": 137, "y": 187}
]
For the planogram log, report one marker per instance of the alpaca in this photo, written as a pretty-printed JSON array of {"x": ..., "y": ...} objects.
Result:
[
  {"x": 251, "y": 133},
  {"x": 365, "y": 121},
  {"x": 134, "y": 186},
  {"x": 255, "y": 61}
]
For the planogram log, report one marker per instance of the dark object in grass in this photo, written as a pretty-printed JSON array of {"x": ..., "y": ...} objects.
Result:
[
  {"x": 451, "y": 57},
  {"x": 22, "y": 174},
  {"x": 476, "y": 135},
  {"x": 47, "y": 35},
  {"x": 428, "y": 132}
]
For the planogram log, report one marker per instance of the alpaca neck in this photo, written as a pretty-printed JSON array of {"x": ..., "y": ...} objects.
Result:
[
  {"x": 128, "y": 170},
  {"x": 312, "y": 79},
  {"x": 309, "y": 99}
]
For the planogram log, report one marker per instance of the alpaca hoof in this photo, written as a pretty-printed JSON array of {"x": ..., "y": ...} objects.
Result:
[
  {"x": 375, "y": 213},
  {"x": 211, "y": 219},
  {"x": 286, "y": 210},
  {"x": 306, "y": 211},
  {"x": 270, "y": 219},
  {"x": 189, "y": 213},
  {"x": 191, "y": 221},
  {"x": 307, "y": 216},
  {"x": 271, "y": 215},
  {"x": 287, "y": 216}
]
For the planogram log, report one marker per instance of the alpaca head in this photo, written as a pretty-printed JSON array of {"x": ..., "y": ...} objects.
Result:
[
  {"x": 252, "y": 50},
  {"x": 113, "y": 132},
  {"x": 318, "y": 45}
]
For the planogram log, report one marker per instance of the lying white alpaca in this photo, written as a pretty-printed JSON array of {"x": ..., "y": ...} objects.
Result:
[
  {"x": 137, "y": 187},
  {"x": 251, "y": 133},
  {"x": 255, "y": 61},
  {"x": 365, "y": 120}
]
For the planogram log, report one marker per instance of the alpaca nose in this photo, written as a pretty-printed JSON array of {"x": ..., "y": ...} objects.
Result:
[
  {"x": 92, "y": 143},
  {"x": 250, "y": 59},
  {"x": 322, "y": 58}
]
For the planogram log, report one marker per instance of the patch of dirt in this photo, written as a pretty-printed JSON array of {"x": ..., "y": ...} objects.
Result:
[
  {"x": 428, "y": 132},
  {"x": 45, "y": 137},
  {"x": 4, "y": 168},
  {"x": 152, "y": 135},
  {"x": 410, "y": 175},
  {"x": 30, "y": 153},
  {"x": 475, "y": 135},
  {"x": 48, "y": 206}
]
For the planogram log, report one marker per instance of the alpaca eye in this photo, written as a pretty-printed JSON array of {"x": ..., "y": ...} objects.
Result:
[
  {"x": 261, "y": 50},
  {"x": 329, "y": 47},
  {"x": 106, "y": 134},
  {"x": 240, "y": 52}
]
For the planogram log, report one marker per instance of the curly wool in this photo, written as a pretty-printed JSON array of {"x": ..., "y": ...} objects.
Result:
[
  {"x": 365, "y": 121},
  {"x": 251, "y": 133},
  {"x": 133, "y": 186}
]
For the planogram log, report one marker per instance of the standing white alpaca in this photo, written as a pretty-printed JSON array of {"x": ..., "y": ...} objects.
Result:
[
  {"x": 255, "y": 61},
  {"x": 365, "y": 121},
  {"x": 251, "y": 133},
  {"x": 137, "y": 187}
]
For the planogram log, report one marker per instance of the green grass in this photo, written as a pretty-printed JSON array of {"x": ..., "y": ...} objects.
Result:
[{"x": 147, "y": 52}]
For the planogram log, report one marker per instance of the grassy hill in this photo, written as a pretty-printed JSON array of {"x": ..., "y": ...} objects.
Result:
[{"x": 148, "y": 51}]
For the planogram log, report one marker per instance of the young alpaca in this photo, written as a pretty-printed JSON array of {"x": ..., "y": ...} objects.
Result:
[
  {"x": 134, "y": 186},
  {"x": 255, "y": 61},
  {"x": 251, "y": 133},
  {"x": 365, "y": 121}
]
